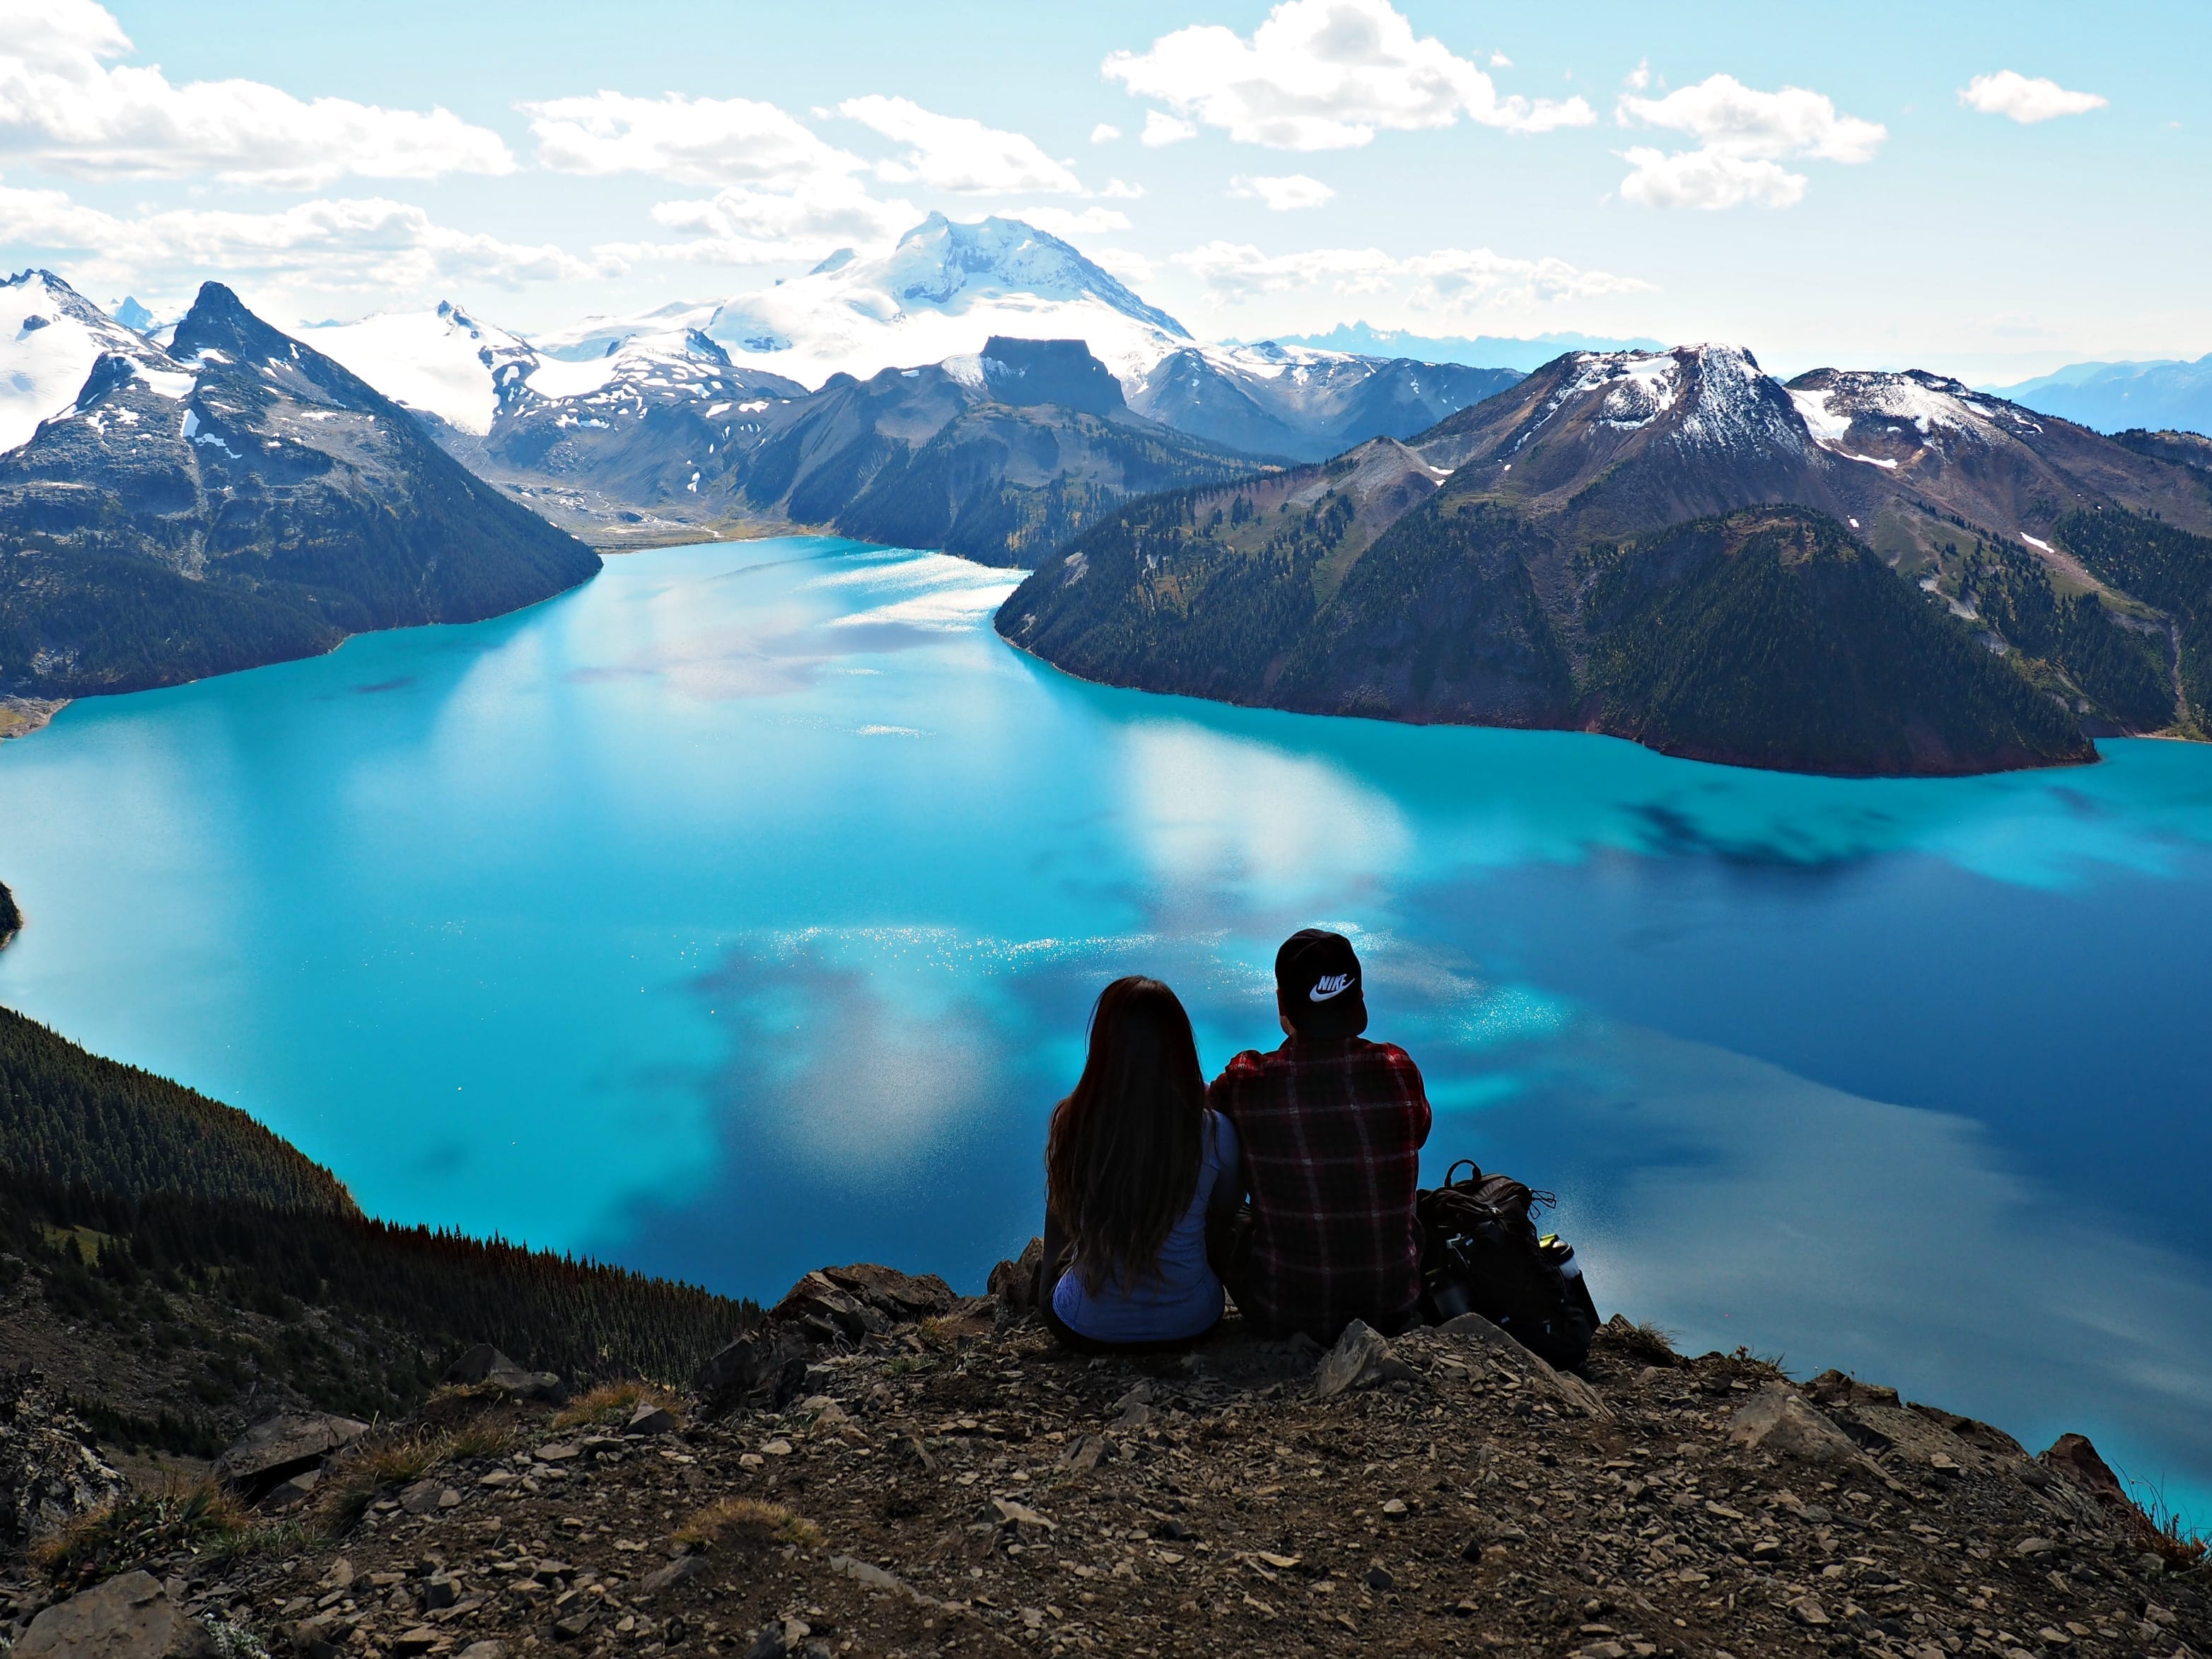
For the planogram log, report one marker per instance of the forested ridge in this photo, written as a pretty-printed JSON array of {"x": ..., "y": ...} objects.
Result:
[
  {"x": 75, "y": 1118},
  {"x": 215, "y": 1270}
]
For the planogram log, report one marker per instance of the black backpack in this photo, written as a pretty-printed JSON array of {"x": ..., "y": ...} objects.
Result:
[{"x": 1480, "y": 1254}]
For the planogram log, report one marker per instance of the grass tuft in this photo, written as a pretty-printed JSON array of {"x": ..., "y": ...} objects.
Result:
[
  {"x": 614, "y": 1402},
  {"x": 124, "y": 1534},
  {"x": 2164, "y": 1532},
  {"x": 352, "y": 1484},
  {"x": 747, "y": 1519}
]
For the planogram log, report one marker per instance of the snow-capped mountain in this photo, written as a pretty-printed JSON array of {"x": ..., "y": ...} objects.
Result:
[
  {"x": 940, "y": 293},
  {"x": 241, "y": 499},
  {"x": 934, "y": 299},
  {"x": 50, "y": 337},
  {"x": 441, "y": 362},
  {"x": 1658, "y": 437}
]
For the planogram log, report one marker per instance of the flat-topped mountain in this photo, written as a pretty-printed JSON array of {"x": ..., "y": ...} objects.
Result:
[
  {"x": 241, "y": 499},
  {"x": 1851, "y": 573}
]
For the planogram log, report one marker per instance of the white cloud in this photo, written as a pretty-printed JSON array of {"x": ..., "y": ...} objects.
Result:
[
  {"x": 1499, "y": 60},
  {"x": 333, "y": 245},
  {"x": 1066, "y": 222},
  {"x": 1743, "y": 136},
  {"x": 749, "y": 225},
  {"x": 1284, "y": 193},
  {"x": 1131, "y": 267},
  {"x": 1104, "y": 133},
  {"x": 1119, "y": 190},
  {"x": 1161, "y": 128},
  {"x": 1707, "y": 178},
  {"x": 698, "y": 140},
  {"x": 952, "y": 151},
  {"x": 1326, "y": 75},
  {"x": 1446, "y": 280},
  {"x": 2009, "y": 92},
  {"x": 63, "y": 105}
]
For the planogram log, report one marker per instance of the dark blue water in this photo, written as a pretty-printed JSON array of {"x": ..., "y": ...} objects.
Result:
[{"x": 739, "y": 912}]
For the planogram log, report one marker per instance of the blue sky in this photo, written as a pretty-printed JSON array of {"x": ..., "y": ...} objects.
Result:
[{"x": 1990, "y": 190}]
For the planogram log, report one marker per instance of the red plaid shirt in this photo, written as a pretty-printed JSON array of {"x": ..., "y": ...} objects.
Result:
[{"x": 1332, "y": 1135}]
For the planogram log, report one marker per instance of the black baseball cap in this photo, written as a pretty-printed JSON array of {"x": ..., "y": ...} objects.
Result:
[{"x": 1318, "y": 984}]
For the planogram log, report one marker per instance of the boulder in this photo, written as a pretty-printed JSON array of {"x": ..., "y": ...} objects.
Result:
[
  {"x": 1013, "y": 1284},
  {"x": 129, "y": 1616},
  {"x": 650, "y": 1419},
  {"x": 2075, "y": 1457},
  {"x": 829, "y": 1306},
  {"x": 1777, "y": 1420},
  {"x": 1361, "y": 1358},
  {"x": 279, "y": 1447},
  {"x": 770, "y": 1359},
  {"x": 484, "y": 1365}
]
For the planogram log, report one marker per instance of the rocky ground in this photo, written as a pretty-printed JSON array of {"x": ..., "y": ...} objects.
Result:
[{"x": 886, "y": 1469}]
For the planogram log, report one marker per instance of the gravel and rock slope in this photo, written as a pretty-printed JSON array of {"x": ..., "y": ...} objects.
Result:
[{"x": 883, "y": 1469}]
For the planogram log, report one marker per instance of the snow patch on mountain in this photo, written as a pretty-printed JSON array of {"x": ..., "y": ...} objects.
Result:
[
  {"x": 50, "y": 337},
  {"x": 442, "y": 363}
]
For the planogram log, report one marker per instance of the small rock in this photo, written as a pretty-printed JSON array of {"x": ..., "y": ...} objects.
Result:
[
  {"x": 676, "y": 1572},
  {"x": 558, "y": 1451},
  {"x": 1394, "y": 1508},
  {"x": 777, "y": 1448},
  {"x": 2034, "y": 1546},
  {"x": 1807, "y": 1610},
  {"x": 1021, "y": 1520},
  {"x": 291, "y": 1492},
  {"x": 1379, "y": 1579},
  {"x": 574, "y": 1626},
  {"x": 650, "y": 1419},
  {"x": 420, "y": 1639},
  {"x": 484, "y": 1650},
  {"x": 422, "y": 1497},
  {"x": 439, "y": 1591}
]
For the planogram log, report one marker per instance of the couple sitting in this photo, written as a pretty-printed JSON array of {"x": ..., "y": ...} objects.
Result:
[{"x": 1147, "y": 1165}]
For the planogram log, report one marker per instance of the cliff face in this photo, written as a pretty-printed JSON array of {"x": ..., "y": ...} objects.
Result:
[{"x": 925, "y": 1475}]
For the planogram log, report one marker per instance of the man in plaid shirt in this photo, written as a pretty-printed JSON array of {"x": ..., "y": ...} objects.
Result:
[{"x": 1332, "y": 1129}]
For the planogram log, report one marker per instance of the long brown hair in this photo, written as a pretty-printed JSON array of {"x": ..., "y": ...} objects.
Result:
[{"x": 1122, "y": 1158}]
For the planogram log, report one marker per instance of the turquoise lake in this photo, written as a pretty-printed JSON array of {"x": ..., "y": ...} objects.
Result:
[{"x": 739, "y": 912}]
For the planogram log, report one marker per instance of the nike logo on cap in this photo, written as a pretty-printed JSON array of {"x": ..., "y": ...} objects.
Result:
[{"x": 1333, "y": 985}]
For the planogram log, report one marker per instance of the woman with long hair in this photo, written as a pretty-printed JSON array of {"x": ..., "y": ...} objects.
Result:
[{"x": 1133, "y": 1163}]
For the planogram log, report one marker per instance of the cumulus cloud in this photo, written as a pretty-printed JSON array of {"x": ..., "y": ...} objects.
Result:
[
  {"x": 338, "y": 246},
  {"x": 1161, "y": 128},
  {"x": 2010, "y": 94},
  {"x": 65, "y": 104},
  {"x": 1066, "y": 222},
  {"x": 952, "y": 151},
  {"x": 1104, "y": 133},
  {"x": 1708, "y": 178},
  {"x": 695, "y": 140},
  {"x": 1446, "y": 280},
  {"x": 1743, "y": 137},
  {"x": 1325, "y": 74},
  {"x": 751, "y": 225},
  {"x": 1284, "y": 193},
  {"x": 1131, "y": 267},
  {"x": 786, "y": 193}
]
